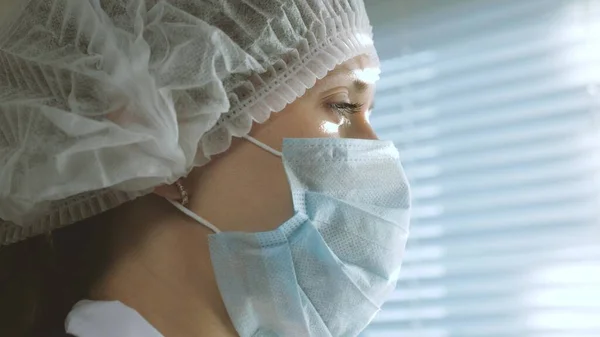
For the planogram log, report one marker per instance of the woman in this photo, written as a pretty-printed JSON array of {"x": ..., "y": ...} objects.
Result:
[{"x": 147, "y": 188}]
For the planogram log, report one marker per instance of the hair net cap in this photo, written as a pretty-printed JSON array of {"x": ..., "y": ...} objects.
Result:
[{"x": 102, "y": 100}]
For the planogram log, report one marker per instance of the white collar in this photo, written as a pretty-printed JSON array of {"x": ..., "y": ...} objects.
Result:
[{"x": 103, "y": 319}]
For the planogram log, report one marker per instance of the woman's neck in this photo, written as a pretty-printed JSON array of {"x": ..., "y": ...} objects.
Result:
[{"x": 176, "y": 294}]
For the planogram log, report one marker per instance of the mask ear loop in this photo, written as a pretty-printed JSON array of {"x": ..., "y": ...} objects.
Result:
[
  {"x": 182, "y": 207},
  {"x": 195, "y": 216},
  {"x": 185, "y": 197},
  {"x": 263, "y": 146}
]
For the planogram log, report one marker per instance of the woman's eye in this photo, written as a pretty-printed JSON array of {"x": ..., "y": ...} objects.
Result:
[{"x": 345, "y": 108}]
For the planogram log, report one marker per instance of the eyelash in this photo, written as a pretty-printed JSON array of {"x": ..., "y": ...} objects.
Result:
[{"x": 346, "y": 108}]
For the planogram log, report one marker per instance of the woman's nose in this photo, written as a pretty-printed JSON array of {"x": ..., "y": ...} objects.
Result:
[{"x": 361, "y": 130}]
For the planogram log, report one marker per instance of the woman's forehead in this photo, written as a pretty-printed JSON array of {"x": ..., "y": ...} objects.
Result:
[
  {"x": 361, "y": 68},
  {"x": 360, "y": 62}
]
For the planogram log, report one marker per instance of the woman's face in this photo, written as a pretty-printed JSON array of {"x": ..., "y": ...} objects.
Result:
[{"x": 246, "y": 188}]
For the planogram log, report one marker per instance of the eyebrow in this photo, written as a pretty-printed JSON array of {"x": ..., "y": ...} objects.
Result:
[{"x": 360, "y": 86}]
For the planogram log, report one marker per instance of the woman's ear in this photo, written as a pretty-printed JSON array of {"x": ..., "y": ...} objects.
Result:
[
  {"x": 168, "y": 191},
  {"x": 175, "y": 192}
]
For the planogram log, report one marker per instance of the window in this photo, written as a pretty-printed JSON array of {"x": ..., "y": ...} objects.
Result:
[{"x": 495, "y": 106}]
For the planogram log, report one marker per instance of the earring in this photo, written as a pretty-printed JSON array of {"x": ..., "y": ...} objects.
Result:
[{"x": 184, "y": 195}]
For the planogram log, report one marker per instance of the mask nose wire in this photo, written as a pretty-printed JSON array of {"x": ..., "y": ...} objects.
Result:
[
  {"x": 195, "y": 216},
  {"x": 263, "y": 146}
]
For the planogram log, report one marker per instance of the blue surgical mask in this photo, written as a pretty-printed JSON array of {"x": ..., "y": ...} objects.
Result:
[{"x": 327, "y": 270}]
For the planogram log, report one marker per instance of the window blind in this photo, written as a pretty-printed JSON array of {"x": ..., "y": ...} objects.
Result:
[{"x": 495, "y": 108}]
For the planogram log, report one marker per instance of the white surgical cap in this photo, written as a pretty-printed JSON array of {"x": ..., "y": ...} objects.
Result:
[{"x": 102, "y": 100}]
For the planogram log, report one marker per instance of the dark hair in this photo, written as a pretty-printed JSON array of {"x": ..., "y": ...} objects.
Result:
[{"x": 41, "y": 278}]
